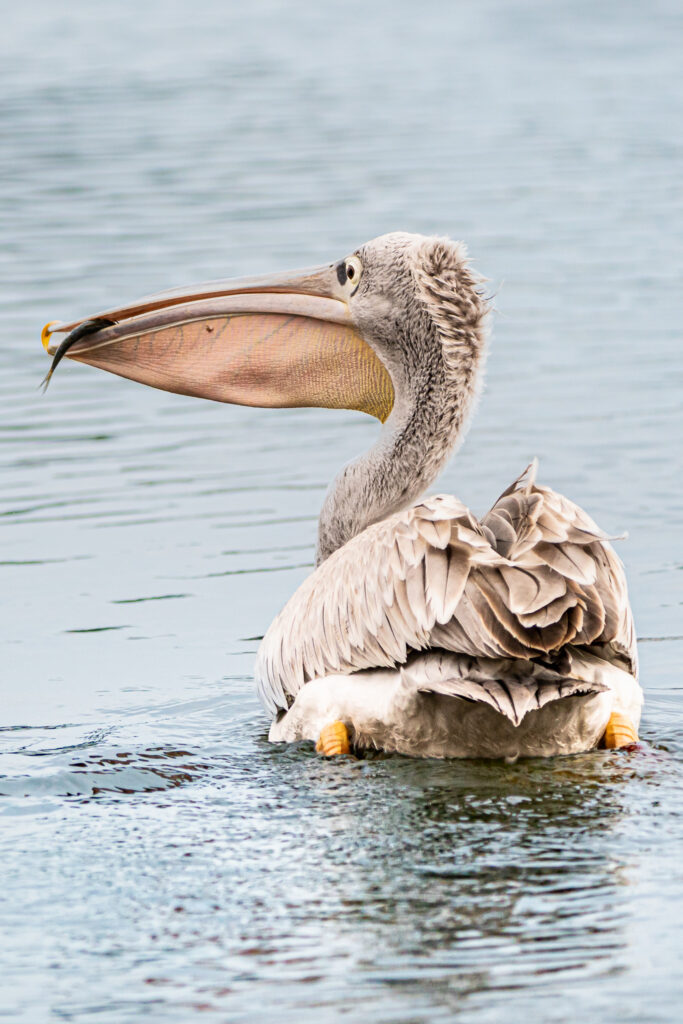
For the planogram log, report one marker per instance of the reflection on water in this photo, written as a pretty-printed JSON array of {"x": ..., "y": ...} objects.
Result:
[
  {"x": 160, "y": 858},
  {"x": 431, "y": 886},
  {"x": 227, "y": 868}
]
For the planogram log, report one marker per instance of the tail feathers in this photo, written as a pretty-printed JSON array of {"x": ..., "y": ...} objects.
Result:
[
  {"x": 514, "y": 700},
  {"x": 513, "y": 688}
]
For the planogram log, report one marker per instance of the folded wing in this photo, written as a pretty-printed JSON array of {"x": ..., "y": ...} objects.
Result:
[{"x": 533, "y": 576}]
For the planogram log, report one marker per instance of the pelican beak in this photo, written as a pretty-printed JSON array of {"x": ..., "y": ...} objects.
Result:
[{"x": 274, "y": 341}]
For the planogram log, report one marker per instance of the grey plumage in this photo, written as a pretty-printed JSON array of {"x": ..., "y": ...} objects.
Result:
[
  {"x": 434, "y": 577},
  {"x": 422, "y": 309},
  {"x": 525, "y": 607}
]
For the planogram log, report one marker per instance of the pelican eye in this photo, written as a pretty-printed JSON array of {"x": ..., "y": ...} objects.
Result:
[{"x": 349, "y": 273}]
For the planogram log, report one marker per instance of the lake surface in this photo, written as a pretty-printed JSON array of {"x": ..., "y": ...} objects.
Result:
[{"x": 160, "y": 860}]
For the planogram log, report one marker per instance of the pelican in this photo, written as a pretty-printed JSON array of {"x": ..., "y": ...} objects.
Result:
[{"x": 422, "y": 630}]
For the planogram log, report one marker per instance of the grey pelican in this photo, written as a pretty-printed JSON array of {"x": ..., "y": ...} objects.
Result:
[{"x": 422, "y": 630}]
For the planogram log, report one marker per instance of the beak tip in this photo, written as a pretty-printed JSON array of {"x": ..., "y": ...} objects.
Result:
[{"x": 45, "y": 335}]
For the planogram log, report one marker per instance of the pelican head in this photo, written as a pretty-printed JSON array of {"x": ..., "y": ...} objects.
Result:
[
  {"x": 416, "y": 301},
  {"x": 396, "y": 329}
]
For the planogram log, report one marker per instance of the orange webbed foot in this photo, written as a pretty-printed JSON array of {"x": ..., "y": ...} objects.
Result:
[
  {"x": 333, "y": 740},
  {"x": 619, "y": 732}
]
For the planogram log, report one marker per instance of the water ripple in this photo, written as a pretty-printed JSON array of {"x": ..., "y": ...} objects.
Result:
[{"x": 161, "y": 858}]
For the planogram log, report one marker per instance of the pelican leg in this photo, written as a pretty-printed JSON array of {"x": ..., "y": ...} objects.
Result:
[
  {"x": 619, "y": 732},
  {"x": 333, "y": 740}
]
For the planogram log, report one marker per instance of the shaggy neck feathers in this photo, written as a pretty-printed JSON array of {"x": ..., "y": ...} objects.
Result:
[{"x": 441, "y": 344}]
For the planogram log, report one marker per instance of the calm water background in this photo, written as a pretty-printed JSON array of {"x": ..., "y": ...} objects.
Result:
[{"x": 160, "y": 860}]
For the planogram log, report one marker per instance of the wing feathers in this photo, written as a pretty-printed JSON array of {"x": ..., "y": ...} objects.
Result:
[
  {"x": 458, "y": 571},
  {"x": 534, "y": 575}
]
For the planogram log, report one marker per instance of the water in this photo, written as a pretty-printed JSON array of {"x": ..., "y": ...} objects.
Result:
[{"x": 160, "y": 860}]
